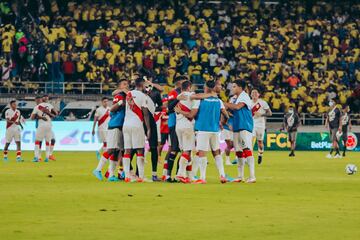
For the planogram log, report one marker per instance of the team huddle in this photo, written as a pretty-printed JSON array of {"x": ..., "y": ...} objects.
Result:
[{"x": 192, "y": 124}]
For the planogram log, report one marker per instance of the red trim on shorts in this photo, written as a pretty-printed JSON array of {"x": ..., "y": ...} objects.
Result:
[
  {"x": 106, "y": 155},
  {"x": 47, "y": 144},
  {"x": 126, "y": 155},
  {"x": 139, "y": 155},
  {"x": 247, "y": 153},
  {"x": 37, "y": 142}
]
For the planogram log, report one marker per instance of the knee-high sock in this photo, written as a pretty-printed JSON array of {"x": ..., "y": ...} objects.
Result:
[
  {"x": 37, "y": 149},
  {"x": 18, "y": 154},
  {"x": 141, "y": 165},
  {"x": 195, "y": 164},
  {"x": 170, "y": 162},
  {"x": 52, "y": 144},
  {"x": 154, "y": 160},
  {"x": 241, "y": 163},
  {"x": 189, "y": 171},
  {"x": 104, "y": 158},
  {"x": 250, "y": 161},
  {"x": 220, "y": 165},
  {"x": 126, "y": 164},
  {"x": 47, "y": 149},
  {"x": 183, "y": 162},
  {"x": 112, "y": 166},
  {"x": 203, "y": 166}
]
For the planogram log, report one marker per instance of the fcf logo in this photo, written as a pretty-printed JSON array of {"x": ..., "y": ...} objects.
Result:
[{"x": 351, "y": 141}]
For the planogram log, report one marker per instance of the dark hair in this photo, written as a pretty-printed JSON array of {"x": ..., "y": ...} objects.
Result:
[
  {"x": 210, "y": 84},
  {"x": 139, "y": 81},
  {"x": 180, "y": 78},
  {"x": 104, "y": 98},
  {"x": 12, "y": 101},
  {"x": 185, "y": 85},
  {"x": 122, "y": 80},
  {"x": 38, "y": 97},
  {"x": 240, "y": 83},
  {"x": 45, "y": 95}
]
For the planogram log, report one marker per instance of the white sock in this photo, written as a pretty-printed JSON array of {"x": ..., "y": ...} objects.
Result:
[
  {"x": 51, "y": 149},
  {"x": 101, "y": 163},
  {"x": 241, "y": 163},
  {"x": 203, "y": 166},
  {"x": 195, "y": 165},
  {"x": 250, "y": 162},
  {"x": 141, "y": 165},
  {"x": 126, "y": 165},
  {"x": 182, "y": 167},
  {"x": 227, "y": 158},
  {"x": 47, "y": 150},
  {"x": 220, "y": 165},
  {"x": 112, "y": 168},
  {"x": 37, "y": 151}
]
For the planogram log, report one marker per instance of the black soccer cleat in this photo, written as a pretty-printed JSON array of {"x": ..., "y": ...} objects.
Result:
[
  {"x": 292, "y": 154},
  {"x": 259, "y": 159}
]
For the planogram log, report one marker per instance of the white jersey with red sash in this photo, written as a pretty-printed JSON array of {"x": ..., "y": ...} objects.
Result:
[
  {"x": 103, "y": 115},
  {"x": 14, "y": 116},
  {"x": 260, "y": 106},
  {"x": 136, "y": 100},
  {"x": 186, "y": 106}
]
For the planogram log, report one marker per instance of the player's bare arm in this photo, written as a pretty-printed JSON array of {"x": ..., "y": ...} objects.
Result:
[
  {"x": 94, "y": 125},
  {"x": 146, "y": 113},
  {"x": 190, "y": 114},
  {"x": 234, "y": 106}
]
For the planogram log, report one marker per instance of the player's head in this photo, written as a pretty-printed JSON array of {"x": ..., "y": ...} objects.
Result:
[
  {"x": 238, "y": 87},
  {"x": 186, "y": 86},
  {"x": 148, "y": 87},
  {"x": 13, "y": 104},
  {"x": 179, "y": 80},
  {"x": 139, "y": 84},
  {"x": 218, "y": 86},
  {"x": 45, "y": 98},
  {"x": 255, "y": 94},
  {"x": 332, "y": 103},
  {"x": 104, "y": 102},
  {"x": 123, "y": 84},
  {"x": 346, "y": 108},
  {"x": 210, "y": 86},
  {"x": 291, "y": 109},
  {"x": 38, "y": 100}
]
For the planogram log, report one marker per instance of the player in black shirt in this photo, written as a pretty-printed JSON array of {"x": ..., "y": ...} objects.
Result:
[
  {"x": 291, "y": 124},
  {"x": 346, "y": 125},
  {"x": 334, "y": 124}
]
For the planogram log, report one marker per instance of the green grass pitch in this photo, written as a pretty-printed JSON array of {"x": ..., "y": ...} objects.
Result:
[{"x": 307, "y": 197}]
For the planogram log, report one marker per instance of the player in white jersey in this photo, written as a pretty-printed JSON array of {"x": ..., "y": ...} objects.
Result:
[
  {"x": 185, "y": 133},
  {"x": 260, "y": 110},
  {"x": 45, "y": 99},
  {"x": 102, "y": 117},
  {"x": 228, "y": 136},
  {"x": 136, "y": 114},
  {"x": 42, "y": 112},
  {"x": 13, "y": 132}
]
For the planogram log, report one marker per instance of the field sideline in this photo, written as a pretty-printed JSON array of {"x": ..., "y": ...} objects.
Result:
[{"x": 307, "y": 197}]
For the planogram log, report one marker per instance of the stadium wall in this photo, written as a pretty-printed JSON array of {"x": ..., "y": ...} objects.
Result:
[{"x": 76, "y": 136}]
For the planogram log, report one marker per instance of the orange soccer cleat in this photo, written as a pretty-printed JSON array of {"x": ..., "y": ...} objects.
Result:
[{"x": 52, "y": 158}]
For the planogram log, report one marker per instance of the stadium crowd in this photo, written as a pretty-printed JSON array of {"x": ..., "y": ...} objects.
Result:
[{"x": 292, "y": 52}]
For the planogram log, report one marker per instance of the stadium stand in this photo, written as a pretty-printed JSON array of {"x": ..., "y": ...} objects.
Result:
[{"x": 295, "y": 52}]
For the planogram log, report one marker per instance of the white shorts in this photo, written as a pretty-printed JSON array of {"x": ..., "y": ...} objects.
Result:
[
  {"x": 134, "y": 137},
  {"x": 102, "y": 133},
  {"x": 227, "y": 135},
  {"x": 43, "y": 132},
  {"x": 114, "y": 139},
  {"x": 259, "y": 133},
  {"x": 13, "y": 133},
  {"x": 242, "y": 140},
  {"x": 206, "y": 141},
  {"x": 186, "y": 138}
]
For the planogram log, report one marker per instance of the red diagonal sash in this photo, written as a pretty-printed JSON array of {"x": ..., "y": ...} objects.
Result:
[
  {"x": 103, "y": 118},
  {"x": 255, "y": 108},
  {"x": 135, "y": 108},
  {"x": 184, "y": 108},
  {"x": 14, "y": 118}
]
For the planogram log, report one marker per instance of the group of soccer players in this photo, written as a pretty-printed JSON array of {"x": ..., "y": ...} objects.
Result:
[
  {"x": 195, "y": 122},
  {"x": 192, "y": 124},
  {"x": 43, "y": 113}
]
